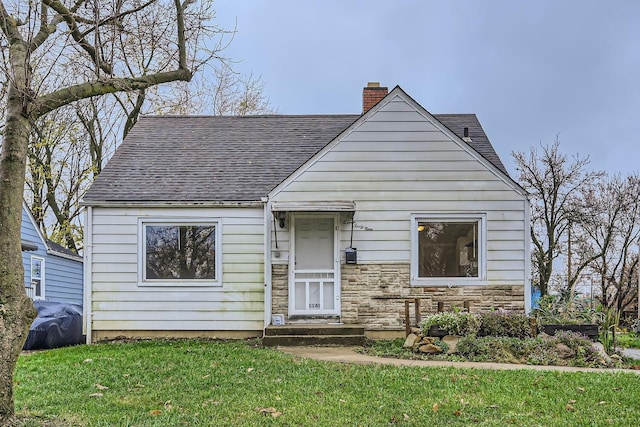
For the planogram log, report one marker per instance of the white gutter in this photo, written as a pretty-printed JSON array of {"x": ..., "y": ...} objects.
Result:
[
  {"x": 267, "y": 262},
  {"x": 177, "y": 204},
  {"x": 88, "y": 267},
  {"x": 63, "y": 255}
]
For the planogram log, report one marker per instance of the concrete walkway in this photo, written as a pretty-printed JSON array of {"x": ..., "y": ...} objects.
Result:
[
  {"x": 349, "y": 355},
  {"x": 631, "y": 352}
]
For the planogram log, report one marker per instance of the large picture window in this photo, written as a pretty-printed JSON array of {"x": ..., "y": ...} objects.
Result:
[
  {"x": 185, "y": 252},
  {"x": 447, "y": 248}
]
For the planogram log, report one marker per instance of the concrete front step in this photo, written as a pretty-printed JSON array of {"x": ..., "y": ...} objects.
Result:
[
  {"x": 313, "y": 334},
  {"x": 301, "y": 340},
  {"x": 323, "y": 329}
]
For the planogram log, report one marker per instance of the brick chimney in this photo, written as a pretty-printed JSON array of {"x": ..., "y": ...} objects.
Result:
[{"x": 372, "y": 94}]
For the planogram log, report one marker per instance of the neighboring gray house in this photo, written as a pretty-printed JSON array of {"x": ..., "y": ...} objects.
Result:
[
  {"x": 51, "y": 272},
  {"x": 208, "y": 226}
]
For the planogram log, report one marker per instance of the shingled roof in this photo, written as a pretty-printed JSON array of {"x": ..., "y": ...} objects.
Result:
[{"x": 229, "y": 159}]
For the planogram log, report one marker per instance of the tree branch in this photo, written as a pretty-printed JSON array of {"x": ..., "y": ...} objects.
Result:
[
  {"x": 9, "y": 26},
  {"x": 53, "y": 100},
  {"x": 110, "y": 19},
  {"x": 182, "y": 43},
  {"x": 67, "y": 16},
  {"x": 46, "y": 29}
]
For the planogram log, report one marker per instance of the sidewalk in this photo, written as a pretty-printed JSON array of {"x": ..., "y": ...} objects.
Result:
[
  {"x": 349, "y": 355},
  {"x": 632, "y": 352}
]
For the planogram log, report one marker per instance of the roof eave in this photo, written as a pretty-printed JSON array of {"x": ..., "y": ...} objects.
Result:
[{"x": 173, "y": 203}]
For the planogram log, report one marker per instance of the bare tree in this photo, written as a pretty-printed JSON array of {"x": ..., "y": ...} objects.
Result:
[
  {"x": 84, "y": 136},
  {"x": 554, "y": 183},
  {"x": 104, "y": 33},
  {"x": 609, "y": 233}
]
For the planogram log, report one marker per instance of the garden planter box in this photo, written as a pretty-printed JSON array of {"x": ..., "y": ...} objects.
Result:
[
  {"x": 436, "y": 332},
  {"x": 590, "y": 330}
]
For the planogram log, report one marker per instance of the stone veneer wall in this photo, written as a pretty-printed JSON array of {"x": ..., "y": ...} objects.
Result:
[{"x": 373, "y": 295}]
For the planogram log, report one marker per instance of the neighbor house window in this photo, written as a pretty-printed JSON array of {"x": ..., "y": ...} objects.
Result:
[
  {"x": 36, "y": 287},
  {"x": 180, "y": 252},
  {"x": 448, "y": 247}
]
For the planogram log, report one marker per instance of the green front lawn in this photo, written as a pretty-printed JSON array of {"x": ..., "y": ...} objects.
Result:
[{"x": 211, "y": 383}]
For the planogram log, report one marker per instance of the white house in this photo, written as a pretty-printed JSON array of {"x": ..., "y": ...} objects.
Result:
[{"x": 208, "y": 226}]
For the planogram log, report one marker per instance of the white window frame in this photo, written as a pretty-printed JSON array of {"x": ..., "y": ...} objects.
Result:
[
  {"x": 480, "y": 218},
  {"x": 42, "y": 277},
  {"x": 173, "y": 221}
]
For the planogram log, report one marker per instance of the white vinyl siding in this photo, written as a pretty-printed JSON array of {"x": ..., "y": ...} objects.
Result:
[
  {"x": 118, "y": 303},
  {"x": 397, "y": 163}
]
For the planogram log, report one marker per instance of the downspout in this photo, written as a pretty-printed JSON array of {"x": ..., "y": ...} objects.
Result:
[
  {"x": 267, "y": 263},
  {"x": 527, "y": 256},
  {"x": 88, "y": 268}
]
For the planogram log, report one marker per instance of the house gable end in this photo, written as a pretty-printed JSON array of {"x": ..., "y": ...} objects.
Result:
[
  {"x": 29, "y": 230},
  {"x": 396, "y": 119}
]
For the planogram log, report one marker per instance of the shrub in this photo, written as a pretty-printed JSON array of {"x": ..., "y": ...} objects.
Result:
[
  {"x": 608, "y": 328},
  {"x": 497, "y": 324},
  {"x": 560, "y": 309},
  {"x": 454, "y": 322},
  {"x": 496, "y": 349},
  {"x": 474, "y": 348},
  {"x": 533, "y": 351}
]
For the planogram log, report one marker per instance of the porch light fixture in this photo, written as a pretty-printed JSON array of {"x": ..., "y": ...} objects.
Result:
[{"x": 281, "y": 216}]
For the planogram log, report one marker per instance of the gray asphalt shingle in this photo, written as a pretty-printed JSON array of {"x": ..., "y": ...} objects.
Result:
[{"x": 229, "y": 159}]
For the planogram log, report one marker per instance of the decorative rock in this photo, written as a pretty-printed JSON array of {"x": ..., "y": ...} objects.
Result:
[
  {"x": 415, "y": 330},
  {"x": 410, "y": 341},
  {"x": 564, "y": 351},
  {"x": 428, "y": 340},
  {"x": 430, "y": 349},
  {"x": 599, "y": 348},
  {"x": 452, "y": 342},
  {"x": 544, "y": 336}
]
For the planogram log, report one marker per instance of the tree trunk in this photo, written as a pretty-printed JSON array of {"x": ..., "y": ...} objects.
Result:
[{"x": 16, "y": 309}]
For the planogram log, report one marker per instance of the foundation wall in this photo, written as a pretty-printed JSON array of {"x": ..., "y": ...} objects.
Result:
[{"x": 373, "y": 295}]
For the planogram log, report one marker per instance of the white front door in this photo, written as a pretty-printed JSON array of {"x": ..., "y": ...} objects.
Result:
[{"x": 314, "y": 279}]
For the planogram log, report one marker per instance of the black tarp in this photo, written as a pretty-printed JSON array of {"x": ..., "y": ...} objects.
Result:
[{"x": 57, "y": 325}]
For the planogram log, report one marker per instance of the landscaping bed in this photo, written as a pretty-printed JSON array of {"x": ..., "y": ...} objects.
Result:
[{"x": 502, "y": 338}]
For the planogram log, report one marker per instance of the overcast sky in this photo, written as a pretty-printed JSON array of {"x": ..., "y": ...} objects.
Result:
[{"x": 529, "y": 69}]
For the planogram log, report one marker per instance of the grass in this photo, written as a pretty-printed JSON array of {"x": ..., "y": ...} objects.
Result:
[{"x": 206, "y": 383}]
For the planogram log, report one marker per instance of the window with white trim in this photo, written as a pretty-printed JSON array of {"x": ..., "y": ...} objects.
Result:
[
  {"x": 179, "y": 252},
  {"x": 36, "y": 288},
  {"x": 447, "y": 247}
]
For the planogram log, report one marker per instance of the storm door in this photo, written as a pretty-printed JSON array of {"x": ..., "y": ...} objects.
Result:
[{"x": 314, "y": 282}]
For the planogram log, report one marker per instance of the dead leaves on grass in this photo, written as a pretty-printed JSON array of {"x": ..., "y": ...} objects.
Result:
[{"x": 269, "y": 411}]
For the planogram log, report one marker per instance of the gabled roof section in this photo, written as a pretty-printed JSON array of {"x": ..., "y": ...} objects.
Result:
[
  {"x": 455, "y": 123},
  {"x": 57, "y": 249},
  {"x": 32, "y": 220},
  {"x": 51, "y": 247},
  {"x": 222, "y": 159},
  {"x": 479, "y": 140},
  {"x": 211, "y": 158}
]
